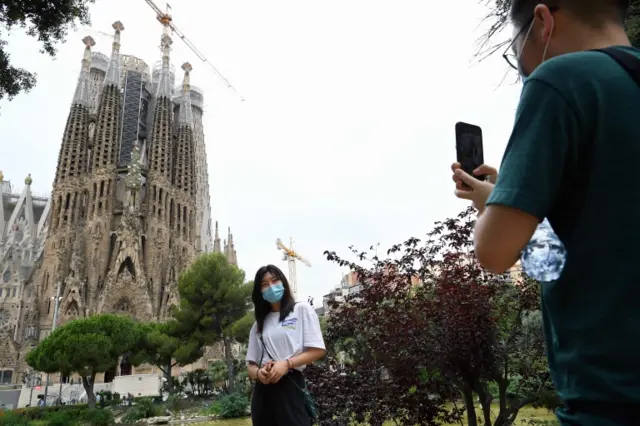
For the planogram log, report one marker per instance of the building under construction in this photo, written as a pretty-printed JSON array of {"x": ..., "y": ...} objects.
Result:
[{"x": 129, "y": 208}]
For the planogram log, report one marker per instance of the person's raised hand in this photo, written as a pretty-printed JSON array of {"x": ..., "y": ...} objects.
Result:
[
  {"x": 472, "y": 189},
  {"x": 278, "y": 370}
]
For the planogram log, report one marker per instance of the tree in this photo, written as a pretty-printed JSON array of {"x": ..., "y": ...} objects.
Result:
[
  {"x": 213, "y": 297},
  {"x": 164, "y": 345},
  {"x": 48, "y": 21},
  {"x": 240, "y": 329},
  {"x": 498, "y": 18},
  {"x": 85, "y": 346},
  {"x": 438, "y": 323}
]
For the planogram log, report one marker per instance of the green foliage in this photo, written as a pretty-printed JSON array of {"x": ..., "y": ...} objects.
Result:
[
  {"x": 144, "y": 409},
  {"x": 230, "y": 406},
  {"x": 61, "y": 418},
  {"x": 46, "y": 20},
  {"x": 240, "y": 329},
  {"x": 213, "y": 297},
  {"x": 163, "y": 345},
  {"x": 64, "y": 415},
  {"x": 85, "y": 346},
  {"x": 13, "y": 418}
]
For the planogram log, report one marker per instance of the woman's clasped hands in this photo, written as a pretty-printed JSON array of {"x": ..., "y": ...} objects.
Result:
[{"x": 272, "y": 372}]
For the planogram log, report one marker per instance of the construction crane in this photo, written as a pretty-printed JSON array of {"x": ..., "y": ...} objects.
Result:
[
  {"x": 291, "y": 256},
  {"x": 166, "y": 20}
]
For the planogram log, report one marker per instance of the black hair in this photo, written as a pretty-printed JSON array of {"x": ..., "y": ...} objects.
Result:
[
  {"x": 594, "y": 12},
  {"x": 262, "y": 307}
]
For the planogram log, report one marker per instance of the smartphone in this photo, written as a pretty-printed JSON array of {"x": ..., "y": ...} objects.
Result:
[{"x": 469, "y": 148}]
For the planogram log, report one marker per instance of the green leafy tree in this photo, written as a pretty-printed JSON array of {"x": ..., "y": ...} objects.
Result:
[
  {"x": 240, "y": 329},
  {"x": 498, "y": 19},
  {"x": 46, "y": 20},
  {"x": 213, "y": 296},
  {"x": 85, "y": 346},
  {"x": 164, "y": 345}
]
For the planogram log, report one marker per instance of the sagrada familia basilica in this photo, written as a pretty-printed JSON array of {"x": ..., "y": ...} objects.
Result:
[{"x": 129, "y": 209}]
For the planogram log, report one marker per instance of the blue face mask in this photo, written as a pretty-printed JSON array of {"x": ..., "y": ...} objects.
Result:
[{"x": 273, "y": 293}]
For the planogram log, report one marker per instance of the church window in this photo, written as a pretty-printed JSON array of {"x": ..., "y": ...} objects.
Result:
[
  {"x": 13, "y": 293},
  {"x": 122, "y": 306},
  {"x": 4, "y": 318},
  {"x": 6, "y": 277},
  {"x": 30, "y": 332},
  {"x": 5, "y": 377}
]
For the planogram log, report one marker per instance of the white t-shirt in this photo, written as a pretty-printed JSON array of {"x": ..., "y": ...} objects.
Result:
[{"x": 286, "y": 339}]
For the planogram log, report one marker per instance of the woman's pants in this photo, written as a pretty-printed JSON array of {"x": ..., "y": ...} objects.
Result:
[{"x": 280, "y": 404}]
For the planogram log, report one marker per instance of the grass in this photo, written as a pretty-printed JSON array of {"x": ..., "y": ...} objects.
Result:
[{"x": 524, "y": 416}]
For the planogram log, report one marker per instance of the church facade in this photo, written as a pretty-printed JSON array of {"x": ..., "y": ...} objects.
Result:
[{"x": 128, "y": 212}]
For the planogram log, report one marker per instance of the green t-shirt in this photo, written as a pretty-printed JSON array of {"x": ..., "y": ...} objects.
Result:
[{"x": 574, "y": 157}]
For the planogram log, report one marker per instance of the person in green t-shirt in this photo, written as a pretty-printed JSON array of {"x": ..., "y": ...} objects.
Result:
[{"x": 573, "y": 158}]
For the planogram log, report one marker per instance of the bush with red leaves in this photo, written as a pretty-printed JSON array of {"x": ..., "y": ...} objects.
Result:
[{"x": 430, "y": 325}]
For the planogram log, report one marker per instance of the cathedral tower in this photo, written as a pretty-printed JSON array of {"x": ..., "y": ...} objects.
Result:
[{"x": 129, "y": 209}]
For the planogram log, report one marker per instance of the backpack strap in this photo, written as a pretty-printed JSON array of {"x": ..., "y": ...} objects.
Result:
[{"x": 626, "y": 60}]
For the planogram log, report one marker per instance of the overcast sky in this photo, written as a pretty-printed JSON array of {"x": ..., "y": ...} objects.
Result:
[{"x": 346, "y": 135}]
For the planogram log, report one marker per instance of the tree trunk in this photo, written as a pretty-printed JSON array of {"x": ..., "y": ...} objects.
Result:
[
  {"x": 485, "y": 402},
  {"x": 502, "y": 419},
  {"x": 167, "y": 375},
  {"x": 228, "y": 355},
  {"x": 60, "y": 391},
  {"x": 472, "y": 419},
  {"x": 88, "y": 388}
]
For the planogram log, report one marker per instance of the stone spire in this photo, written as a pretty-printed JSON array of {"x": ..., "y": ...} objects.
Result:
[
  {"x": 82, "y": 95},
  {"x": 216, "y": 241},
  {"x": 184, "y": 171},
  {"x": 73, "y": 150},
  {"x": 113, "y": 72},
  {"x": 186, "y": 111},
  {"x": 230, "y": 249},
  {"x": 164, "y": 81},
  {"x": 160, "y": 164},
  {"x": 108, "y": 123}
]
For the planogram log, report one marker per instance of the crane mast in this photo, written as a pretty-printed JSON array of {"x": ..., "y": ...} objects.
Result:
[
  {"x": 291, "y": 256},
  {"x": 167, "y": 21}
]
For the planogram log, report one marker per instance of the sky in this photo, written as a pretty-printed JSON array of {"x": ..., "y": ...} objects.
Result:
[{"x": 346, "y": 134}]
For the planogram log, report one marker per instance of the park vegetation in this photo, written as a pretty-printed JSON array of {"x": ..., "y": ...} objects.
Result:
[
  {"x": 430, "y": 336},
  {"x": 46, "y": 20},
  {"x": 214, "y": 305}
]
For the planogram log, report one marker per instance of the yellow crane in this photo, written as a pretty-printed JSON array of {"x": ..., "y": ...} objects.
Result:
[
  {"x": 167, "y": 21},
  {"x": 291, "y": 256}
]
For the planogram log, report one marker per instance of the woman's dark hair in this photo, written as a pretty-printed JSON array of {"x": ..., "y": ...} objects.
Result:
[{"x": 262, "y": 307}]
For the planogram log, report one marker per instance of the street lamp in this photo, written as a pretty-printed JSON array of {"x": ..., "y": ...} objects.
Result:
[{"x": 56, "y": 299}]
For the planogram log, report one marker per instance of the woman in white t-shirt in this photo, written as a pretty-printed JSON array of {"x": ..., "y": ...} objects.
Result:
[{"x": 284, "y": 340}]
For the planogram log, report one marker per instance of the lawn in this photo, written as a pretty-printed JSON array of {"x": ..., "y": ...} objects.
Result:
[{"x": 526, "y": 414}]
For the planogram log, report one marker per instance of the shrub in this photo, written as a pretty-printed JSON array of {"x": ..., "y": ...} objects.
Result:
[
  {"x": 61, "y": 418},
  {"x": 143, "y": 409},
  {"x": 231, "y": 406},
  {"x": 97, "y": 417},
  {"x": 13, "y": 418}
]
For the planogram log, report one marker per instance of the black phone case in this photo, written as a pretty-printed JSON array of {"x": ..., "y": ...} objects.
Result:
[{"x": 469, "y": 148}]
